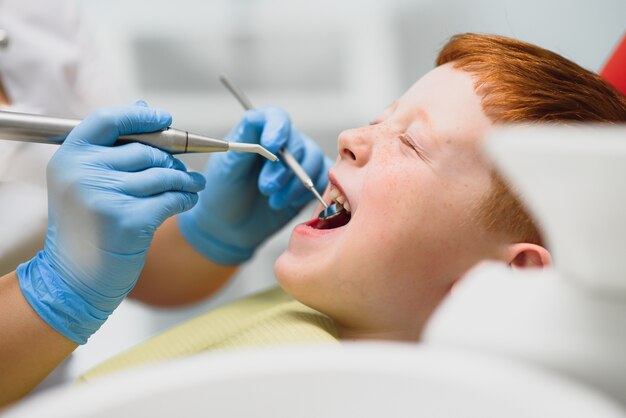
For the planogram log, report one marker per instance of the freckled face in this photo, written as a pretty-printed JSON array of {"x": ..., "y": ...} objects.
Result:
[{"x": 412, "y": 180}]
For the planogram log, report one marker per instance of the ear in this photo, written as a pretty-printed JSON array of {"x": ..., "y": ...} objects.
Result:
[{"x": 525, "y": 255}]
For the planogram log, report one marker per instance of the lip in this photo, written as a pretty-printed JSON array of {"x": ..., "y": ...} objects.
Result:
[{"x": 307, "y": 230}]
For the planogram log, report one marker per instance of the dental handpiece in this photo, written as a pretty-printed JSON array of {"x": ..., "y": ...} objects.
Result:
[
  {"x": 25, "y": 127},
  {"x": 287, "y": 157}
]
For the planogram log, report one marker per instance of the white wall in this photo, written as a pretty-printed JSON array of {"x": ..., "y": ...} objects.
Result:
[{"x": 332, "y": 64}]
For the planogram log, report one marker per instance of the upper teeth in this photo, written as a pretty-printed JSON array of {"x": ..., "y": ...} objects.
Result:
[{"x": 336, "y": 196}]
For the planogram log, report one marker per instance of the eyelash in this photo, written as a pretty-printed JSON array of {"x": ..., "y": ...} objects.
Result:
[{"x": 406, "y": 139}]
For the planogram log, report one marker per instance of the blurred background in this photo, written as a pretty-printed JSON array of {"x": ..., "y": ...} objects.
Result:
[{"x": 331, "y": 64}]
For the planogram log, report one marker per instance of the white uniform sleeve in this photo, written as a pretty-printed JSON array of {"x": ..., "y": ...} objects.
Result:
[
  {"x": 50, "y": 66},
  {"x": 52, "y": 63}
]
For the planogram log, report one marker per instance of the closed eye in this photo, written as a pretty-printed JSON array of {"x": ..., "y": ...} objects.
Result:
[{"x": 408, "y": 141}]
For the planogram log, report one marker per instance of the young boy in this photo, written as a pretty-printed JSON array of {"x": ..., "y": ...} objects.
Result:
[{"x": 424, "y": 207}]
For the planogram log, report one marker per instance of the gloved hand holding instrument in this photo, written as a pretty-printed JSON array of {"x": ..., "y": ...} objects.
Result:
[
  {"x": 104, "y": 205},
  {"x": 235, "y": 215}
]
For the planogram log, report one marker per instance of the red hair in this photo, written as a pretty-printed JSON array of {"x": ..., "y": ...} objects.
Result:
[{"x": 520, "y": 82}]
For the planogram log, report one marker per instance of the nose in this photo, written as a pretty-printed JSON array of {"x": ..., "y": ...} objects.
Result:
[{"x": 354, "y": 146}]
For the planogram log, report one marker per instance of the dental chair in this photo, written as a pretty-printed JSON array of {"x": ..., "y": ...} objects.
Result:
[
  {"x": 570, "y": 319},
  {"x": 504, "y": 344},
  {"x": 358, "y": 380}
]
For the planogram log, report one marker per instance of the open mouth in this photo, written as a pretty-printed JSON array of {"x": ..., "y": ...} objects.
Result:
[{"x": 338, "y": 220}]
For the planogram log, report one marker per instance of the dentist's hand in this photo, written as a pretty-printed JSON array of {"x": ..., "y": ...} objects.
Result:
[
  {"x": 248, "y": 198},
  {"x": 104, "y": 205}
]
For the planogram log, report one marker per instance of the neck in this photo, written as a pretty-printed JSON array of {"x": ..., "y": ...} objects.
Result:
[
  {"x": 4, "y": 100},
  {"x": 356, "y": 334}
]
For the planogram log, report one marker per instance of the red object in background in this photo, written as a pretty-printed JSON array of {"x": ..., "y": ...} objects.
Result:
[{"x": 614, "y": 70}]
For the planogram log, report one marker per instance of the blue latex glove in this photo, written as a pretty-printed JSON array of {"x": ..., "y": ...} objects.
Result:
[
  {"x": 104, "y": 204},
  {"x": 249, "y": 198}
]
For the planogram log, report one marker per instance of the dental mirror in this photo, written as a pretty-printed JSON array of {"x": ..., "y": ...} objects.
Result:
[
  {"x": 331, "y": 211},
  {"x": 332, "y": 217}
]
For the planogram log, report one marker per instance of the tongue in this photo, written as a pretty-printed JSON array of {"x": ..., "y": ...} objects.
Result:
[{"x": 336, "y": 221}]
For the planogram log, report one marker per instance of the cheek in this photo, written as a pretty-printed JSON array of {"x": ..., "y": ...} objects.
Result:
[
  {"x": 397, "y": 203},
  {"x": 385, "y": 228},
  {"x": 414, "y": 222}
]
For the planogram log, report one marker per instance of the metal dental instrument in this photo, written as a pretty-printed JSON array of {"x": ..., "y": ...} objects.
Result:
[
  {"x": 53, "y": 130},
  {"x": 329, "y": 211}
]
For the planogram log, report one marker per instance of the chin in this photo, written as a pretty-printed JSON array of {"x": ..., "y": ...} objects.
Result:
[
  {"x": 287, "y": 271},
  {"x": 295, "y": 278},
  {"x": 279, "y": 268}
]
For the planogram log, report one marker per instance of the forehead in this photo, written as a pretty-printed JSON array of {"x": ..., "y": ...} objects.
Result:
[{"x": 444, "y": 99}]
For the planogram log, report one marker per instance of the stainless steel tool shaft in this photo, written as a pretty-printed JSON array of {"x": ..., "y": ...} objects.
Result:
[
  {"x": 287, "y": 157},
  {"x": 25, "y": 127}
]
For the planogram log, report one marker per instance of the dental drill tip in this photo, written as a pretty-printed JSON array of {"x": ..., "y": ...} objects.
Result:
[
  {"x": 317, "y": 195},
  {"x": 256, "y": 148}
]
